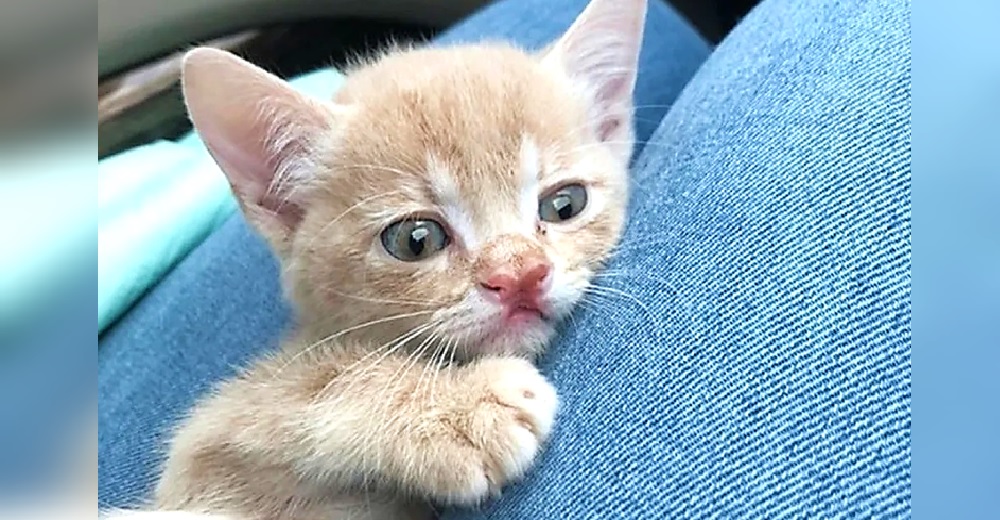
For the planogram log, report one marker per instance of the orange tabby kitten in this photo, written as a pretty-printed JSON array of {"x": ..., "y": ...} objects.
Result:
[{"x": 434, "y": 222}]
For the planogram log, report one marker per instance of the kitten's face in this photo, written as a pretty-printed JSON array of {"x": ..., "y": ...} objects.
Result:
[
  {"x": 450, "y": 200},
  {"x": 464, "y": 200}
]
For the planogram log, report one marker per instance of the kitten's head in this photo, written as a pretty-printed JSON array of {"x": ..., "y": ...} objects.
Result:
[{"x": 457, "y": 198}]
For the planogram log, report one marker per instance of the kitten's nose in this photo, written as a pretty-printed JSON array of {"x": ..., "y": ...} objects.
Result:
[{"x": 515, "y": 282}]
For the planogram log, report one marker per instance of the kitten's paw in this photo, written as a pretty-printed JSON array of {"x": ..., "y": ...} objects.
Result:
[{"x": 510, "y": 419}]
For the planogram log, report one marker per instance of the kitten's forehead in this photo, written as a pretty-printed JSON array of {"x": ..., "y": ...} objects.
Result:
[
  {"x": 470, "y": 131},
  {"x": 470, "y": 104},
  {"x": 482, "y": 206}
]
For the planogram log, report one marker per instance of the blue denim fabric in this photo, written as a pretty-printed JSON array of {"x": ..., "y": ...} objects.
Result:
[
  {"x": 749, "y": 356},
  {"x": 222, "y": 306}
]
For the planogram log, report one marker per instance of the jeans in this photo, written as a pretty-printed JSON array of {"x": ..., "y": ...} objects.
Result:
[{"x": 750, "y": 355}]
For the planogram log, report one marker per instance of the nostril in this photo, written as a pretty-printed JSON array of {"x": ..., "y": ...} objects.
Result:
[
  {"x": 492, "y": 288},
  {"x": 538, "y": 274},
  {"x": 497, "y": 285}
]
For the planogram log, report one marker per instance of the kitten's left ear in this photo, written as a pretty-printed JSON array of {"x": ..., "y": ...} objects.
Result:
[
  {"x": 262, "y": 133},
  {"x": 600, "y": 53}
]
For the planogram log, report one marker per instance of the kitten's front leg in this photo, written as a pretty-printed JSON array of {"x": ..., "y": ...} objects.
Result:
[
  {"x": 302, "y": 429},
  {"x": 455, "y": 436}
]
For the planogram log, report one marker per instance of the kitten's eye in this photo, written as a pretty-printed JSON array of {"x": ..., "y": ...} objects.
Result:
[
  {"x": 563, "y": 204},
  {"x": 412, "y": 240}
]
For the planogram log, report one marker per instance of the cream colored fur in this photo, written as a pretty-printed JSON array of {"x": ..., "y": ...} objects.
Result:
[{"x": 400, "y": 388}]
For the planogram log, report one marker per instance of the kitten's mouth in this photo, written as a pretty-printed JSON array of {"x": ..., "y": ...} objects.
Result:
[
  {"x": 524, "y": 313},
  {"x": 517, "y": 327},
  {"x": 523, "y": 316}
]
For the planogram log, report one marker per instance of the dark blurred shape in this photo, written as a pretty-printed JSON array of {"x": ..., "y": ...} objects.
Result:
[
  {"x": 131, "y": 32},
  {"x": 48, "y": 59},
  {"x": 44, "y": 93},
  {"x": 714, "y": 18},
  {"x": 145, "y": 103}
]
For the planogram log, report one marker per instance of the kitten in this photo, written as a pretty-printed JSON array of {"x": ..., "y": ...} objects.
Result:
[{"x": 434, "y": 222}]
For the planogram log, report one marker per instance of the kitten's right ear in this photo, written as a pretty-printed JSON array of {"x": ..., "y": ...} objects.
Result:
[
  {"x": 262, "y": 133},
  {"x": 600, "y": 52}
]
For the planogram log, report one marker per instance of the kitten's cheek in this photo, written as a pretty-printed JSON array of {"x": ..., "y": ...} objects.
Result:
[
  {"x": 562, "y": 307},
  {"x": 562, "y": 296}
]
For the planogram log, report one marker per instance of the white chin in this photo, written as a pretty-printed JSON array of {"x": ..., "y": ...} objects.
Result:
[{"x": 524, "y": 340}]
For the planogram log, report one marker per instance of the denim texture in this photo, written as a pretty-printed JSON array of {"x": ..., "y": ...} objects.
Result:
[
  {"x": 749, "y": 353},
  {"x": 216, "y": 311}
]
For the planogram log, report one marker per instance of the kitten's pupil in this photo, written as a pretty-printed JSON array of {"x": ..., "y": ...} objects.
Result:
[
  {"x": 563, "y": 206},
  {"x": 417, "y": 237}
]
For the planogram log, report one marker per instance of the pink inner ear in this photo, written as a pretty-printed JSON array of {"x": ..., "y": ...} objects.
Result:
[
  {"x": 251, "y": 161},
  {"x": 607, "y": 128},
  {"x": 288, "y": 212},
  {"x": 609, "y": 96},
  {"x": 259, "y": 131},
  {"x": 611, "y": 88},
  {"x": 601, "y": 49}
]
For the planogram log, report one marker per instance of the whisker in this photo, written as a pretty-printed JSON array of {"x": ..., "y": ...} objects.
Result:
[
  {"x": 385, "y": 350},
  {"x": 441, "y": 365},
  {"x": 613, "y": 273},
  {"x": 454, "y": 348},
  {"x": 399, "y": 376},
  {"x": 610, "y": 291},
  {"x": 651, "y": 106},
  {"x": 377, "y": 167},
  {"x": 642, "y": 241},
  {"x": 436, "y": 340},
  {"x": 426, "y": 303},
  {"x": 382, "y": 404},
  {"x": 348, "y": 330}
]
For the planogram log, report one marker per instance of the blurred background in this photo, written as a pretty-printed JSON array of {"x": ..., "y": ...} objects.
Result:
[{"x": 154, "y": 202}]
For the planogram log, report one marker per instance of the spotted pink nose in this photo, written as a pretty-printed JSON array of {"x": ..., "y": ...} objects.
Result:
[{"x": 525, "y": 281}]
